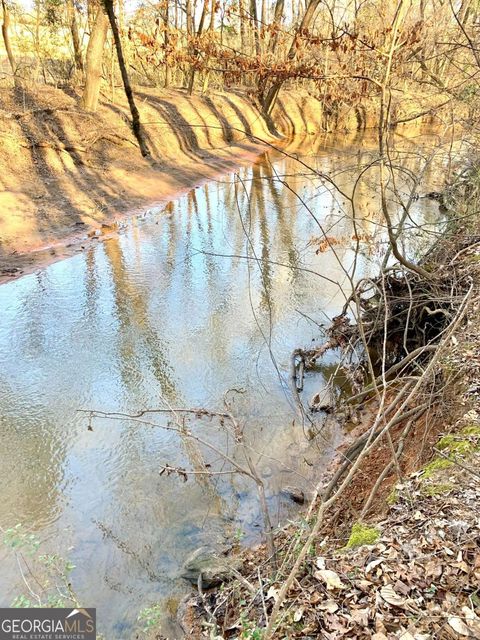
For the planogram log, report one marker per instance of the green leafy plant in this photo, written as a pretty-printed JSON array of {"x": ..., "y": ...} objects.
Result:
[
  {"x": 51, "y": 586},
  {"x": 249, "y": 630},
  {"x": 150, "y": 617},
  {"x": 238, "y": 535},
  {"x": 19, "y": 540}
]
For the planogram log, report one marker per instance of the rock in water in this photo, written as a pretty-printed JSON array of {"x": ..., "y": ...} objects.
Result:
[
  {"x": 214, "y": 568},
  {"x": 323, "y": 401},
  {"x": 295, "y": 494}
]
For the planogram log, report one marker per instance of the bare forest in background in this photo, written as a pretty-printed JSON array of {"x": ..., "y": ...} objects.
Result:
[{"x": 336, "y": 50}]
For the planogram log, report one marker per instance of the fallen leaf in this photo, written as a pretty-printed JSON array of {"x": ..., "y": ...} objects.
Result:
[
  {"x": 472, "y": 620},
  {"x": 329, "y": 605},
  {"x": 389, "y": 594},
  {"x": 331, "y": 579},
  {"x": 459, "y": 626},
  {"x": 272, "y": 593},
  {"x": 297, "y": 616},
  {"x": 374, "y": 563},
  {"x": 360, "y": 616},
  {"x": 469, "y": 614}
]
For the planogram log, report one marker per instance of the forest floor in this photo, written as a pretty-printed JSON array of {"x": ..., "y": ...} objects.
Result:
[
  {"x": 69, "y": 176},
  {"x": 409, "y": 567}
]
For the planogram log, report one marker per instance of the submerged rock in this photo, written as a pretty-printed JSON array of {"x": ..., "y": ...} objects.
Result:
[
  {"x": 324, "y": 400},
  {"x": 213, "y": 567},
  {"x": 295, "y": 494}
]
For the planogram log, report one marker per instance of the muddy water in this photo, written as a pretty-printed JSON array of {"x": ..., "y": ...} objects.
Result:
[{"x": 211, "y": 293}]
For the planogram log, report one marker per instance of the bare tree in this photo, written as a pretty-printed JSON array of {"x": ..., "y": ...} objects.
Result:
[
  {"x": 93, "y": 69},
  {"x": 195, "y": 51},
  {"x": 6, "y": 37},
  {"x": 166, "y": 43},
  {"x": 136, "y": 125},
  {"x": 73, "y": 26}
]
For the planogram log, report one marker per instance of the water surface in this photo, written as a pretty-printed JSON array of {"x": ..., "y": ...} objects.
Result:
[{"x": 208, "y": 294}]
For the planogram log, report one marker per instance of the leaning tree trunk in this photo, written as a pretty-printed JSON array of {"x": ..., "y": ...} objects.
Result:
[
  {"x": 271, "y": 97},
  {"x": 6, "y": 39},
  {"x": 136, "y": 125},
  {"x": 93, "y": 70}
]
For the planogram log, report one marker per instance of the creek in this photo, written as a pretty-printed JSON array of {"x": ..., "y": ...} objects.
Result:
[{"x": 209, "y": 293}]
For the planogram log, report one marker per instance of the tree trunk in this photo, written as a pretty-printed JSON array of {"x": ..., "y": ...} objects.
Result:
[
  {"x": 36, "y": 44},
  {"x": 6, "y": 39},
  {"x": 211, "y": 27},
  {"x": 256, "y": 34},
  {"x": 277, "y": 21},
  {"x": 271, "y": 97},
  {"x": 243, "y": 37},
  {"x": 195, "y": 51},
  {"x": 166, "y": 40},
  {"x": 136, "y": 125},
  {"x": 93, "y": 71},
  {"x": 189, "y": 14},
  {"x": 72, "y": 23}
]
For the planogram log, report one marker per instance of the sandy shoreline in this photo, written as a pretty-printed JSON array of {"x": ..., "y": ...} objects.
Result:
[{"x": 34, "y": 252}]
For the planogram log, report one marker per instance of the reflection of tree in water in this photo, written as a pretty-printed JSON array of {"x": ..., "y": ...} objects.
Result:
[
  {"x": 256, "y": 204},
  {"x": 264, "y": 209},
  {"x": 205, "y": 238},
  {"x": 91, "y": 287},
  {"x": 131, "y": 302}
]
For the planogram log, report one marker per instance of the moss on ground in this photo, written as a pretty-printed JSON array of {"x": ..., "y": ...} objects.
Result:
[
  {"x": 362, "y": 534},
  {"x": 437, "y": 489},
  {"x": 455, "y": 444},
  {"x": 460, "y": 443},
  {"x": 392, "y": 497},
  {"x": 471, "y": 430},
  {"x": 437, "y": 464}
]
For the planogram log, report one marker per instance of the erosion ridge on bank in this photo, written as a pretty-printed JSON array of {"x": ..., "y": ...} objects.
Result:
[{"x": 68, "y": 175}]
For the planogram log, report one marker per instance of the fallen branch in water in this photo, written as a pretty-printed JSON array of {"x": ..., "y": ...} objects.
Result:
[{"x": 229, "y": 424}]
